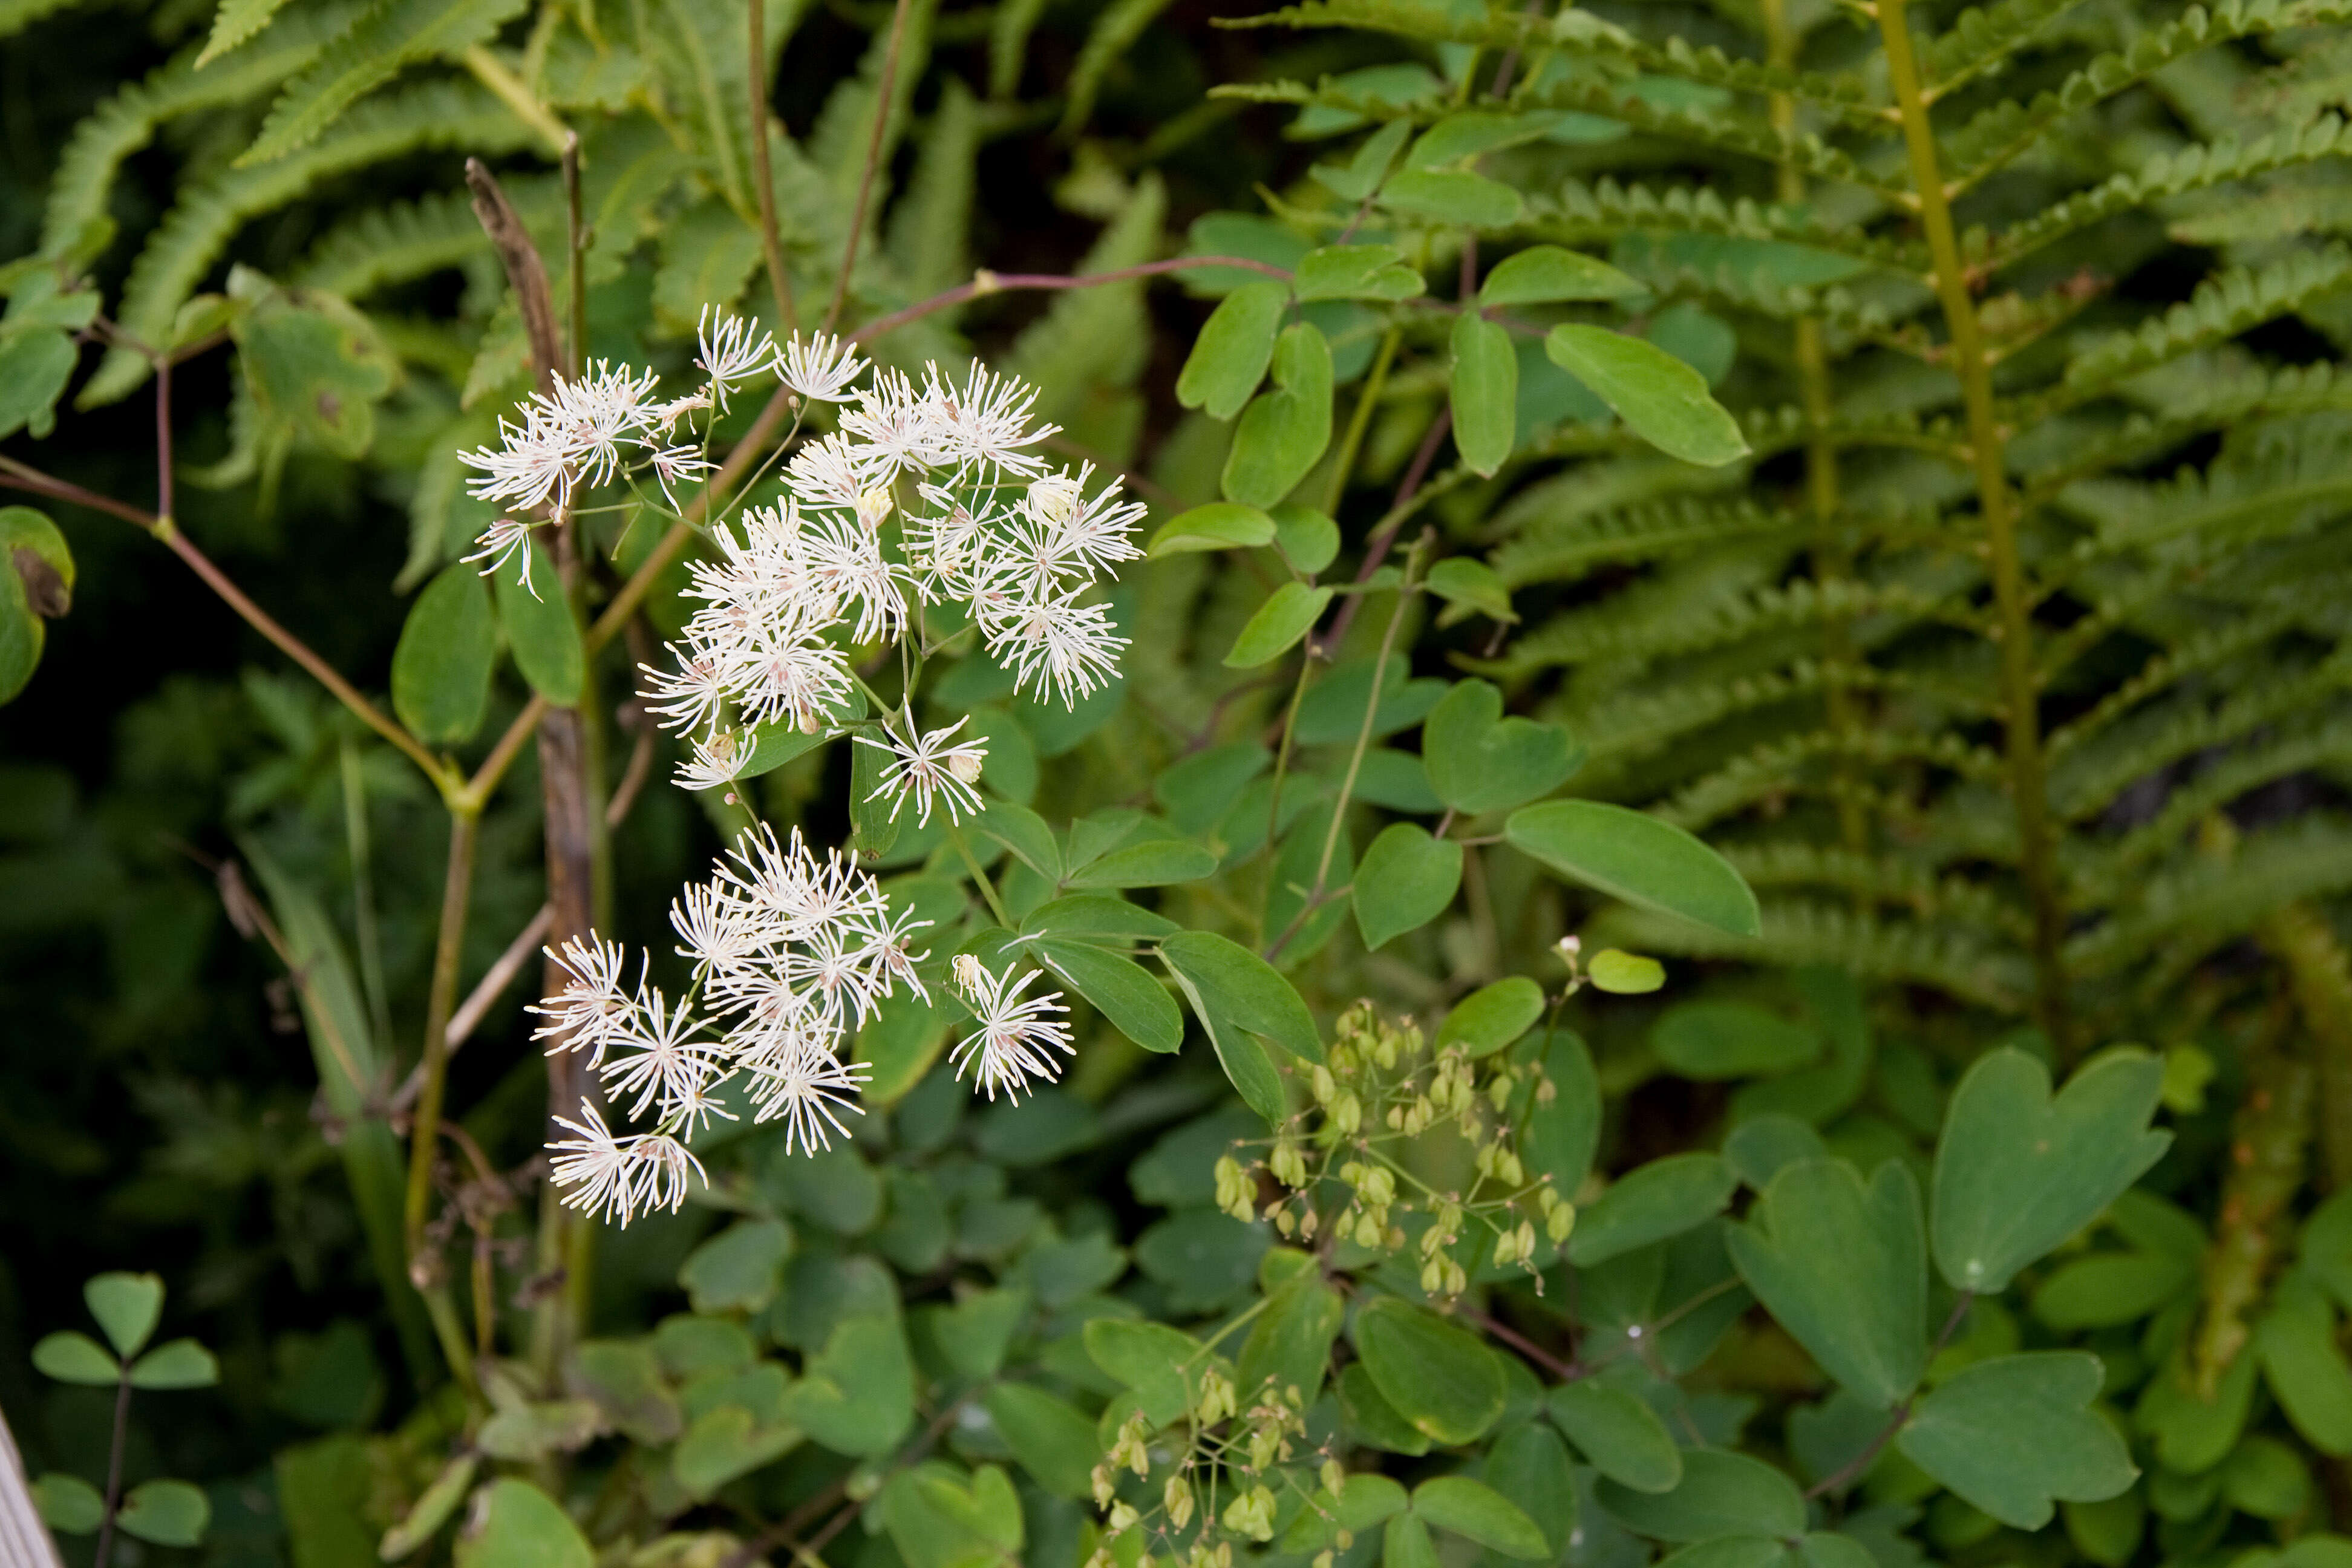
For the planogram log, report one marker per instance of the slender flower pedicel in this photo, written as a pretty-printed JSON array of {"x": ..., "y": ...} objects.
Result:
[{"x": 925, "y": 518}]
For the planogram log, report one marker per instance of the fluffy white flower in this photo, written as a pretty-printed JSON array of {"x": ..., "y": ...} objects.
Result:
[
  {"x": 929, "y": 769},
  {"x": 819, "y": 367},
  {"x": 593, "y": 1010},
  {"x": 1016, "y": 1039},
  {"x": 807, "y": 1091},
  {"x": 731, "y": 353},
  {"x": 502, "y": 542}
]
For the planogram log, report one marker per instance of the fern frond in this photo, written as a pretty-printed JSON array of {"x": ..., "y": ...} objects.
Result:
[
  {"x": 2303, "y": 742},
  {"x": 1564, "y": 549},
  {"x": 2209, "y": 397},
  {"x": 191, "y": 237},
  {"x": 2168, "y": 175},
  {"x": 1116, "y": 27},
  {"x": 1806, "y": 154},
  {"x": 708, "y": 253},
  {"x": 1636, "y": 723},
  {"x": 384, "y": 246},
  {"x": 388, "y": 39},
  {"x": 2204, "y": 651},
  {"x": 2221, "y": 308},
  {"x": 1984, "y": 39},
  {"x": 1747, "y": 283},
  {"x": 15, "y": 16},
  {"x": 1799, "y": 932},
  {"x": 235, "y": 22},
  {"x": 928, "y": 239},
  {"x": 1606, "y": 209},
  {"x": 2088, "y": 781},
  {"x": 2237, "y": 500},
  {"x": 1788, "y": 428},
  {"x": 2006, "y": 130},
  {"x": 1928, "y": 894},
  {"x": 1579, "y": 32},
  {"x": 1775, "y": 769},
  {"x": 2200, "y": 902},
  {"x": 1576, "y": 637},
  {"x": 126, "y": 122},
  {"x": 698, "y": 50}
]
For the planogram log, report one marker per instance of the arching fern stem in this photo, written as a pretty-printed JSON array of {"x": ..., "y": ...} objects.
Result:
[{"x": 2020, "y": 690}]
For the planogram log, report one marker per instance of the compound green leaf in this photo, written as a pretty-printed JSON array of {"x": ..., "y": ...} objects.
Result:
[
  {"x": 1844, "y": 1270},
  {"x": 1651, "y": 1203},
  {"x": 1484, "y": 392},
  {"x": 441, "y": 668},
  {"x": 1283, "y": 433},
  {"x": 1480, "y": 760},
  {"x": 181, "y": 1363},
  {"x": 1619, "y": 1433},
  {"x": 1660, "y": 399},
  {"x": 1154, "y": 863},
  {"x": 739, "y": 1269},
  {"x": 2018, "y": 1172},
  {"x": 2014, "y": 1435},
  {"x": 1440, "y": 1377},
  {"x": 1241, "y": 989},
  {"x": 1229, "y": 358},
  {"x": 1405, "y": 1543},
  {"x": 1405, "y": 880},
  {"x": 1632, "y": 855},
  {"x": 1452, "y": 196},
  {"x": 1290, "y": 1343},
  {"x": 1356, "y": 272},
  {"x": 1530, "y": 1465}
]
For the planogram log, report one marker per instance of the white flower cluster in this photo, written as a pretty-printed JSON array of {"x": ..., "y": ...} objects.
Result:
[
  {"x": 979, "y": 521},
  {"x": 791, "y": 951}
]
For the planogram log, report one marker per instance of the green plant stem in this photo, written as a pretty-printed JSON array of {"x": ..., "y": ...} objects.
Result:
[
  {"x": 1289, "y": 727},
  {"x": 358, "y": 840},
  {"x": 1987, "y": 442},
  {"x": 979, "y": 877},
  {"x": 1352, "y": 440},
  {"x": 884, "y": 86},
  {"x": 440, "y": 998},
  {"x": 105, "y": 1552}
]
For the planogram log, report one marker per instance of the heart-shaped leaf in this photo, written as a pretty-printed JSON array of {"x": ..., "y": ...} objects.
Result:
[
  {"x": 1404, "y": 881},
  {"x": 1632, "y": 855},
  {"x": 1720, "y": 1494},
  {"x": 70, "y": 1357},
  {"x": 2014, "y": 1433},
  {"x": 2018, "y": 1172},
  {"x": 515, "y": 1523},
  {"x": 1052, "y": 1440},
  {"x": 182, "y": 1364},
  {"x": 1844, "y": 1270},
  {"x": 127, "y": 1307},
  {"x": 1479, "y": 761},
  {"x": 1307, "y": 539}
]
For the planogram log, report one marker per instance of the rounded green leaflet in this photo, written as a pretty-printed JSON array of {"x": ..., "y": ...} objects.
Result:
[
  {"x": 516, "y": 1525},
  {"x": 1530, "y": 1465},
  {"x": 127, "y": 1307},
  {"x": 1651, "y": 1203},
  {"x": 1290, "y": 1344},
  {"x": 71, "y": 1357},
  {"x": 542, "y": 630},
  {"x": 1441, "y": 1378},
  {"x": 1484, "y": 392},
  {"x": 1241, "y": 988},
  {"x": 34, "y": 369},
  {"x": 1356, "y": 272},
  {"x": 1405, "y": 1543},
  {"x": 2014, "y": 1433},
  {"x": 1052, "y": 1440},
  {"x": 1283, "y": 432},
  {"x": 68, "y": 1503},
  {"x": 1154, "y": 863},
  {"x": 1308, "y": 539},
  {"x": 1620, "y": 1435},
  {"x": 857, "y": 1394},
  {"x": 431, "y": 1510},
  {"x": 1720, "y": 1494},
  {"x": 1561, "y": 1134},
  {"x": 2018, "y": 1171},
  {"x": 1452, "y": 196},
  {"x": 1660, "y": 399},
  {"x": 2267, "y": 1479},
  {"x": 1288, "y": 614},
  {"x": 168, "y": 1514},
  {"x": 2304, "y": 1366},
  {"x": 2109, "y": 1289},
  {"x": 1632, "y": 855},
  {"x": 1469, "y": 587},
  {"x": 1844, "y": 1268},
  {"x": 1730, "y": 1551},
  {"x": 1120, "y": 989},
  {"x": 1713, "y": 1040},
  {"x": 1229, "y": 357},
  {"x": 1493, "y": 1016},
  {"x": 1405, "y": 880},
  {"x": 1476, "y": 1511},
  {"x": 1480, "y": 760},
  {"x": 739, "y": 1269},
  {"x": 181, "y": 1363},
  {"x": 1544, "y": 273},
  {"x": 441, "y": 668},
  {"x": 37, "y": 579},
  {"x": 1625, "y": 973},
  {"x": 1219, "y": 525}
]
